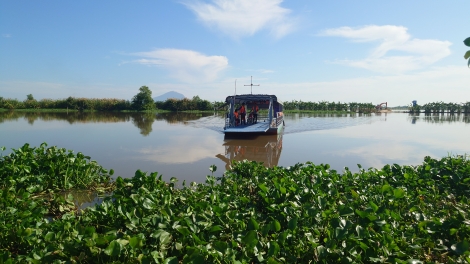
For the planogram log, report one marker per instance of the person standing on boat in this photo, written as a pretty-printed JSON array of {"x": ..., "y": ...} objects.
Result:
[
  {"x": 243, "y": 114},
  {"x": 255, "y": 110},
  {"x": 235, "y": 114}
]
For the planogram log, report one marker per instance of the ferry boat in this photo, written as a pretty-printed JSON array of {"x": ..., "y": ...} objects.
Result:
[{"x": 270, "y": 118}]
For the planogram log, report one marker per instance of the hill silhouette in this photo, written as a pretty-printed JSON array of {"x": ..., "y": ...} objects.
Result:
[{"x": 168, "y": 95}]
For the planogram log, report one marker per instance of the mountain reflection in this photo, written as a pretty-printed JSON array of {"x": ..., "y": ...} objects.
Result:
[
  {"x": 143, "y": 121},
  {"x": 265, "y": 149}
]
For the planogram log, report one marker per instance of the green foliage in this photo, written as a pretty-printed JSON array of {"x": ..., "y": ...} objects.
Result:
[
  {"x": 441, "y": 107},
  {"x": 299, "y": 214},
  {"x": 467, "y": 54},
  {"x": 143, "y": 100},
  {"x": 329, "y": 106},
  {"x": 185, "y": 104},
  {"x": 70, "y": 103},
  {"x": 44, "y": 168}
]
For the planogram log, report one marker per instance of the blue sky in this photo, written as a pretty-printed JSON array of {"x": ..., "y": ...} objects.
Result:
[{"x": 362, "y": 51}]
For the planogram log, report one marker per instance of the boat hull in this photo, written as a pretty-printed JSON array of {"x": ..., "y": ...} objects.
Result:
[{"x": 261, "y": 128}]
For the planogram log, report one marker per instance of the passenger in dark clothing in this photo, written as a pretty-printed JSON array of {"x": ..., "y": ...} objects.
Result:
[
  {"x": 243, "y": 114},
  {"x": 255, "y": 110}
]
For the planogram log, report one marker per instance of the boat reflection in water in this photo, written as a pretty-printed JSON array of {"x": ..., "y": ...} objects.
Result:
[{"x": 266, "y": 149}]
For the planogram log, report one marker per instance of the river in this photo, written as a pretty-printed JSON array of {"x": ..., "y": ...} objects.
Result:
[{"x": 184, "y": 145}]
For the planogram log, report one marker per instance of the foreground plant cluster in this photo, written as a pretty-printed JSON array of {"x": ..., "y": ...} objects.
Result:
[{"x": 305, "y": 213}]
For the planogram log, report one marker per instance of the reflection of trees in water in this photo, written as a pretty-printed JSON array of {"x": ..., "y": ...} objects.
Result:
[
  {"x": 70, "y": 117},
  {"x": 265, "y": 149},
  {"x": 440, "y": 118},
  {"x": 179, "y": 117},
  {"x": 142, "y": 120}
]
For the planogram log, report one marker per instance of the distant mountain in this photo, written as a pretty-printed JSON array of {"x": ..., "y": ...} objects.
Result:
[{"x": 168, "y": 95}]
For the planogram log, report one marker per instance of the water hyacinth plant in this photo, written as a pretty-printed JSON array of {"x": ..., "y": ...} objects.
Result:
[
  {"x": 299, "y": 214},
  {"x": 42, "y": 168}
]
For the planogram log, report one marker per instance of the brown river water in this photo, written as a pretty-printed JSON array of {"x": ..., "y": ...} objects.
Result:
[{"x": 184, "y": 145}]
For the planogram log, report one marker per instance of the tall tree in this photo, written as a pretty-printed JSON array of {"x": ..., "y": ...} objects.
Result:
[
  {"x": 143, "y": 100},
  {"x": 467, "y": 54}
]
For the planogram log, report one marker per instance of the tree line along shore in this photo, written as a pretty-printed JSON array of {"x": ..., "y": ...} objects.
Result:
[{"x": 143, "y": 101}]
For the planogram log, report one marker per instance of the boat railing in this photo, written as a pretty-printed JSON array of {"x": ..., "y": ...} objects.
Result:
[
  {"x": 227, "y": 122},
  {"x": 277, "y": 121}
]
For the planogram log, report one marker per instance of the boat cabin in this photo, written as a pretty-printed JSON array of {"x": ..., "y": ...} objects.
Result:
[{"x": 269, "y": 117}]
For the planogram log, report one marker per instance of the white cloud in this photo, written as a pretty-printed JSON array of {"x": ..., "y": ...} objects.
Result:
[
  {"x": 419, "y": 52},
  {"x": 182, "y": 150},
  {"x": 6, "y": 35},
  {"x": 245, "y": 17},
  {"x": 185, "y": 65},
  {"x": 448, "y": 84}
]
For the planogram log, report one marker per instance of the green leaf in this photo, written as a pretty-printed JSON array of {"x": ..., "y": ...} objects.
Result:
[
  {"x": 362, "y": 214},
  {"x": 399, "y": 193},
  {"x": 467, "y": 42},
  {"x": 373, "y": 206},
  {"x": 293, "y": 223},
  {"x": 321, "y": 251},
  {"x": 272, "y": 261},
  {"x": 263, "y": 187},
  {"x": 453, "y": 231},
  {"x": 171, "y": 260},
  {"x": 148, "y": 204},
  {"x": 387, "y": 188},
  {"x": 275, "y": 225},
  {"x": 273, "y": 249},
  {"x": 250, "y": 239},
  {"x": 220, "y": 246},
  {"x": 252, "y": 224},
  {"x": 114, "y": 249},
  {"x": 216, "y": 228},
  {"x": 345, "y": 211},
  {"x": 467, "y": 54},
  {"x": 136, "y": 242},
  {"x": 360, "y": 231},
  {"x": 163, "y": 236},
  {"x": 49, "y": 236},
  {"x": 178, "y": 246},
  {"x": 461, "y": 247},
  {"x": 340, "y": 232},
  {"x": 184, "y": 230},
  {"x": 213, "y": 168}
]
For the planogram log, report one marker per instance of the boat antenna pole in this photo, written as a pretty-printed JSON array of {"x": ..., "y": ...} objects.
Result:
[{"x": 251, "y": 84}]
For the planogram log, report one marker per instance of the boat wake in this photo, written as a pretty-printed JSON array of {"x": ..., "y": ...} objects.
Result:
[{"x": 294, "y": 123}]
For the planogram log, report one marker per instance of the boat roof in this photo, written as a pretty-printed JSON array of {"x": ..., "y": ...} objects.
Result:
[{"x": 241, "y": 98}]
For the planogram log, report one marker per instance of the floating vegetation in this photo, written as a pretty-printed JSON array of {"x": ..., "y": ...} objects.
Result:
[{"x": 298, "y": 214}]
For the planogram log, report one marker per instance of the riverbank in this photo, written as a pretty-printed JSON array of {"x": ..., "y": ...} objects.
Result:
[{"x": 290, "y": 214}]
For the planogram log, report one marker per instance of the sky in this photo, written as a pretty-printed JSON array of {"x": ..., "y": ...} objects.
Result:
[{"x": 347, "y": 51}]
